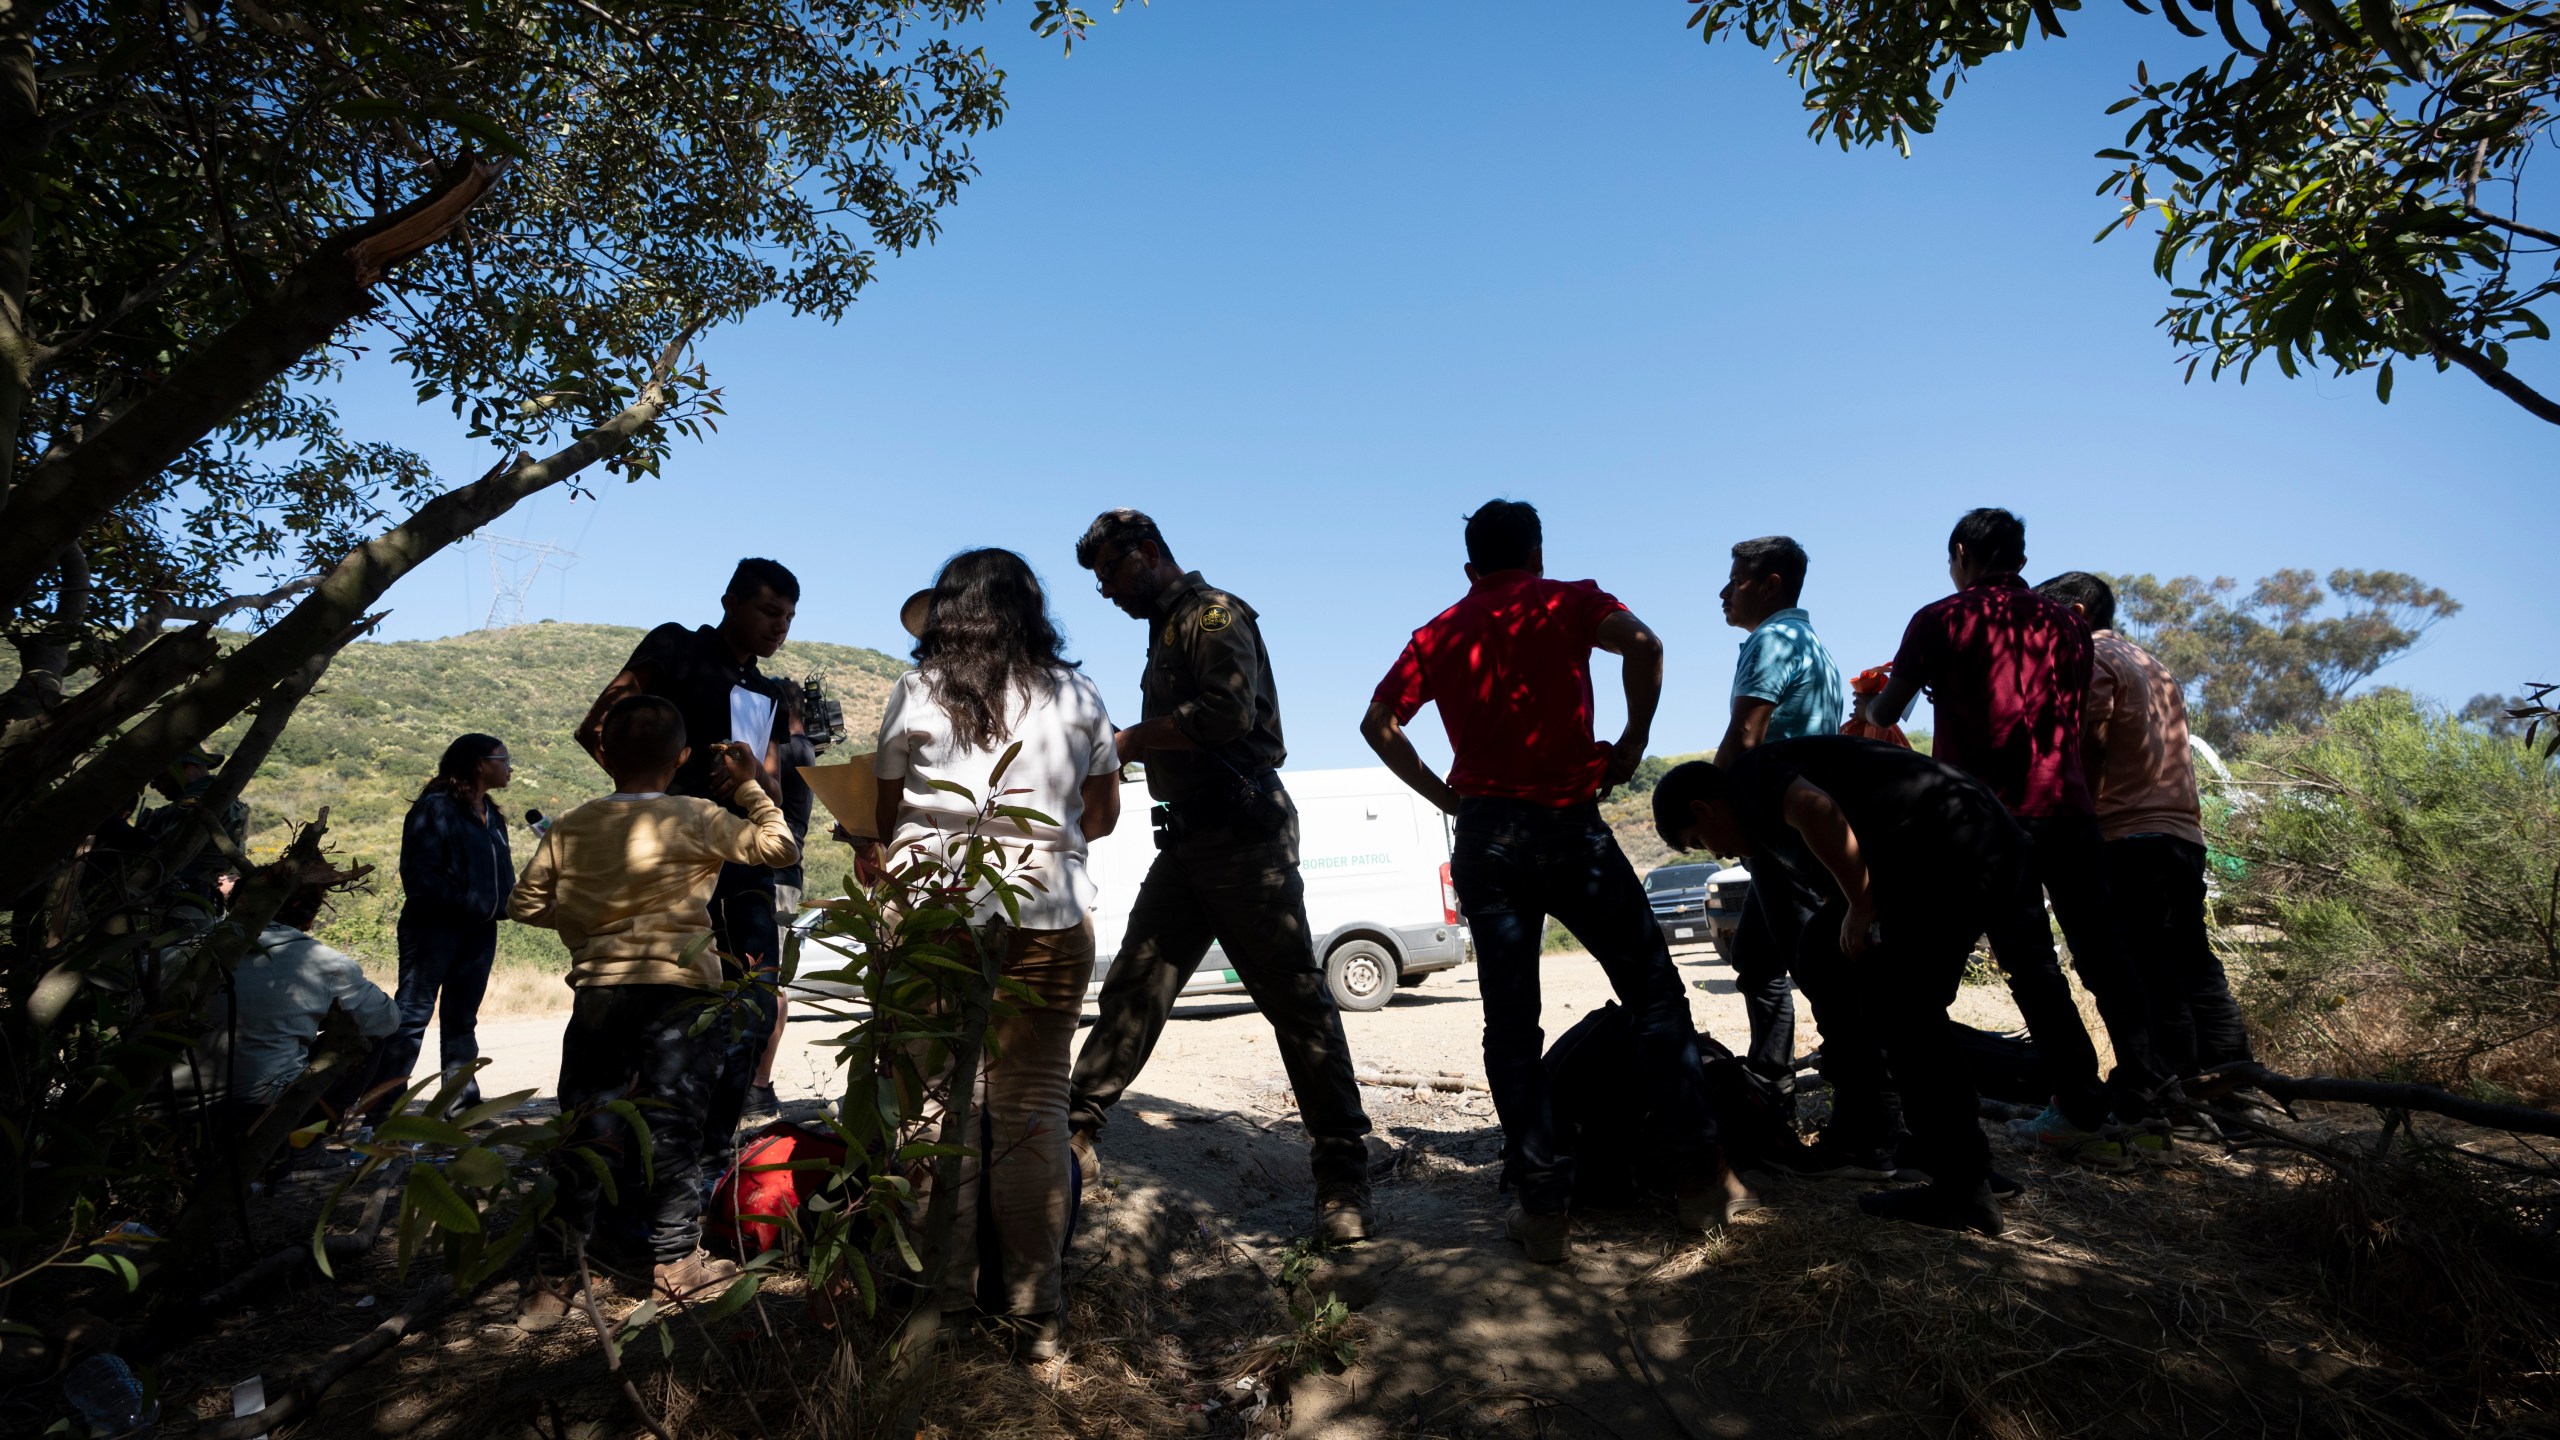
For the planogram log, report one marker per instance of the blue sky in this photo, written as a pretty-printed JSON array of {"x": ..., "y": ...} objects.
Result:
[{"x": 1309, "y": 281}]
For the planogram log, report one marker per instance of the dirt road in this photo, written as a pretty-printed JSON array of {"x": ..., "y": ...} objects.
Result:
[{"x": 1457, "y": 1333}]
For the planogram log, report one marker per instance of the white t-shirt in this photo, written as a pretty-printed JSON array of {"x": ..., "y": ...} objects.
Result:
[{"x": 1066, "y": 739}]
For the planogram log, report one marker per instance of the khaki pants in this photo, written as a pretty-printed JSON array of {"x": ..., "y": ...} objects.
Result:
[{"x": 1022, "y": 1092}]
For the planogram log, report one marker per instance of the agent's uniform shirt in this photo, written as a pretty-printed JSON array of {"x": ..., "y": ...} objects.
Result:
[{"x": 1208, "y": 672}]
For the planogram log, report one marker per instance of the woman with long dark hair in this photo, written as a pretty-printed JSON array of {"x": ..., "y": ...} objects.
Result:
[
  {"x": 455, "y": 875},
  {"x": 991, "y": 673}
]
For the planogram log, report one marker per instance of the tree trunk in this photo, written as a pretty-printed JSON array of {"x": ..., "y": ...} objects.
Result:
[
  {"x": 39, "y": 836},
  {"x": 21, "y": 142},
  {"x": 73, "y": 489}
]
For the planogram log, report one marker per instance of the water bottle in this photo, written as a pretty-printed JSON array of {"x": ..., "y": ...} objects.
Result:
[{"x": 108, "y": 1396}]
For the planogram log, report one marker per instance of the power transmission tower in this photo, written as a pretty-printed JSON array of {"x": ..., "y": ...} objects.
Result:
[{"x": 513, "y": 567}]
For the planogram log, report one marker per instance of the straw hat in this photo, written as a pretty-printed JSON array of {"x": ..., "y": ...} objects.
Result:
[{"x": 912, "y": 614}]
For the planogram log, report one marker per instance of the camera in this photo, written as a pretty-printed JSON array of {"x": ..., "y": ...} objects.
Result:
[{"x": 821, "y": 717}]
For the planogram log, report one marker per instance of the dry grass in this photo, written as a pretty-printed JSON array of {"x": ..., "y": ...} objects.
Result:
[{"x": 2242, "y": 1295}]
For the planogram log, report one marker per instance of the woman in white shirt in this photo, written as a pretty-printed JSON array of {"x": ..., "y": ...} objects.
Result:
[{"x": 989, "y": 674}]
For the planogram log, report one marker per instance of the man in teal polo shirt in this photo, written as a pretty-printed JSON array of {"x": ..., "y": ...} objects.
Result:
[{"x": 1786, "y": 687}]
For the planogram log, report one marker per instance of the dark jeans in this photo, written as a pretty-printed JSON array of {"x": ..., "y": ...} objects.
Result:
[
  {"x": 2158, "y": 884},
  {"x": 1908, "y": 981},
  {"x": 1764, "y": 947},
  {"x": 444, "y": 968},
  {"x": 1864, "y": 1113},
  {"x": 743, "y": 921},
  {"x": 631, "y": 1042},
  {"x": 1516, "y": 864},
  {"x": 1245, "y": 893},
  {"x": 2067, "y": 861}
]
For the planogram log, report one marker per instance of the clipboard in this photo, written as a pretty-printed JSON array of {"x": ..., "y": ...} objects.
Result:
[{"x": 850, "y": 792}]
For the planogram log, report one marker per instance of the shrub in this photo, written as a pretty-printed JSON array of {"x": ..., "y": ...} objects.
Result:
[{"x": 2393, "y": 908}]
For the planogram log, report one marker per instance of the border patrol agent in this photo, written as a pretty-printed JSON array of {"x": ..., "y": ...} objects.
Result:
[{"x": 1226, "y": 866}]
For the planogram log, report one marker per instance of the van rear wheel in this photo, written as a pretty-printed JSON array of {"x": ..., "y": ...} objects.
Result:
[{"x": 1361, "y": 975}]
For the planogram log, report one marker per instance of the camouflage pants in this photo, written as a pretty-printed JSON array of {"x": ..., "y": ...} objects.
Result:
[{"x": 630, "y": 1042}]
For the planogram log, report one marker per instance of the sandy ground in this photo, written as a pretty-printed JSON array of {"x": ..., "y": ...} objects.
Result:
[
  {"x": 1205, "y": 1185},
  {"x": 1217, "y": 1048}
]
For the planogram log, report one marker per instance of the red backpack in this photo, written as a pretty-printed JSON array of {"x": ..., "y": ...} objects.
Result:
[{"x": 749, "y": 1203}]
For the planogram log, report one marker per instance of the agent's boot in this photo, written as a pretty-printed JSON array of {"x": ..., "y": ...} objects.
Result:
[
  {"x": 1545, "y": 1237},
  {"x": 1342, "y": 1213}
]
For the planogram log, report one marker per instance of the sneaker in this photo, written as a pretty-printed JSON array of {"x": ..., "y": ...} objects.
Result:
[
  {"x": 1826, "y": 1160},
  {"x": 2149, "y": 1140},
  {"x": 2237, "y": 1117},
  {"x": 1919, "y": 1171},
  {"x": 546, "y": 1302},
  {"x": 1942, "y": 1206},
  {"x": 1088, "y": 1163},
  {"x": 1544, "y": 1236},
  {"x": 692, "y": 1277},
  {"x": 1342, "y": 1214},
  {"x": 2053, "y": 1133},
  {"x": 1710, "y": 1201}
]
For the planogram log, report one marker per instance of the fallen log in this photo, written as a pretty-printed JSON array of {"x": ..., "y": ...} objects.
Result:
[
  {"x": 2382, "y": 1094},
  {"x": 342, "y": 1362},
  {"x": 1396, "y": 1081}
]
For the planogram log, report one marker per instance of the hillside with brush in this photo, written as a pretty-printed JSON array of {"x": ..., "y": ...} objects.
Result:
[{"x": 366, "y": 742}]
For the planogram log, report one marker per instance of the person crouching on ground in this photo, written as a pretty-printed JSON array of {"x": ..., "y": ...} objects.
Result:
[
  {"x": 990, "y": 674},
  {"x": 1510, "y": 668},
  {"x": 627, "y": 881},
  {"x": 1912, "y": 860}
]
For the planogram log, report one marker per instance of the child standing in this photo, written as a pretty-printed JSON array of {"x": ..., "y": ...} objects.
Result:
[{"x": 627, "y": 882}]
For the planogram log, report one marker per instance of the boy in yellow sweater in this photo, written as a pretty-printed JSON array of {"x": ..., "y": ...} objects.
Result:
[{"x": 627, "y": 881}]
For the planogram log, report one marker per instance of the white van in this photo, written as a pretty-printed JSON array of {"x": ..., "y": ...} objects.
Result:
[{"x": 1379, "y": 899}]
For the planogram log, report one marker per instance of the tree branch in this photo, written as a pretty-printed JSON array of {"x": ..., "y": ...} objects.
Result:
[
  {"x": 51, "y": 826},
  {"x": 2530, "y": 232},
  {"x": 160, "y": 612},
  {"x": 32, "y": 751},
  {"x": 2515, "y": 1119},
  {"x": 2497, "y": 377},
  {"x": 68, "y": 492}
]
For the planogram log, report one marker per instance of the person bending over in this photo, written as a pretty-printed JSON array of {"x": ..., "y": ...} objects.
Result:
[
  {"x": 627, "y": 881},
  {"x": 1911, "y": 860},
  {"x": 1226, "y": 866},
  {"x": 1510, "y": 668}
]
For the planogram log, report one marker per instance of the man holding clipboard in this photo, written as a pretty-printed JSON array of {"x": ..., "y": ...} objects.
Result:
[{"x": 709, "y": 673}]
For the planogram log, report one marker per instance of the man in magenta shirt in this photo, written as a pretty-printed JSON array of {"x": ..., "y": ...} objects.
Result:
[
  {"x": 1510, "y": 668},
  {"x": 2007, "y": 669}
]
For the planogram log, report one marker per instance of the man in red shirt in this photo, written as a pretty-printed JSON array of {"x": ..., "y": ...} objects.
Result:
[
  {"x": 1510, "y": 668},
  {"x": 2007, "y": 669}
]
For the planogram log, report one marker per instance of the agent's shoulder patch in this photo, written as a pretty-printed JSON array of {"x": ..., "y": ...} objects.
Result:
[{"x": 1215, "y": 617}]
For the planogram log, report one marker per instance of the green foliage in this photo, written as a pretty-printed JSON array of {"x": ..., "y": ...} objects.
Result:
[
  {"x": 2285, "y": 653},
  {"x": 2323, "y": 187},
  {"x": 926, "y": 968},
  {"x": 2398, "y": 859},
  {"x": 678, "y": 171},
  {"x": 368, "y": 740}
]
